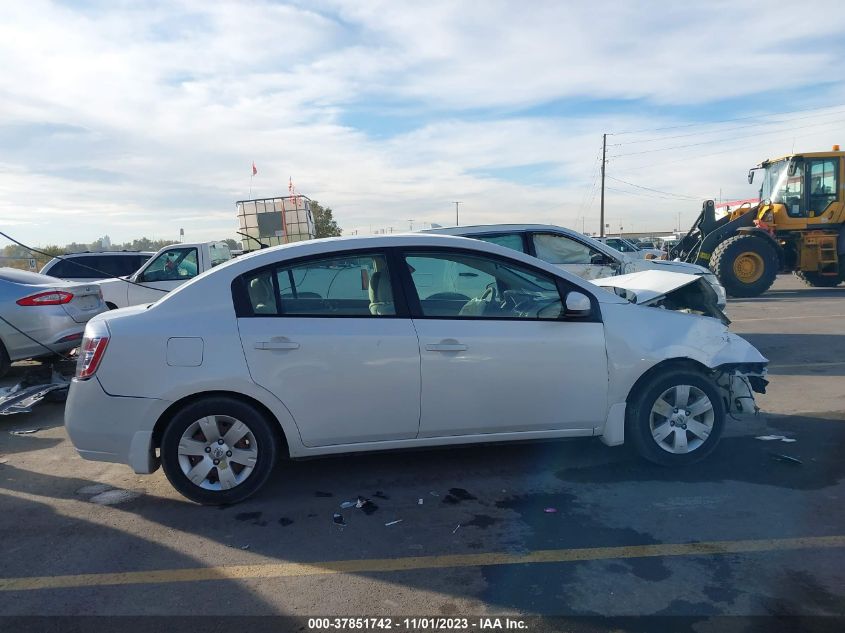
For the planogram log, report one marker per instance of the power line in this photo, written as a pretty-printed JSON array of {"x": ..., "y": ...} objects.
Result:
[
  {"x": 646, "y": 194},
  {"x": 722, "y": 140},
  {"x": 668, "y": 193},
  {"x": 696, "y": 156},
  {"x": 723, "y": 130},
  {"x": 743, "y": 118}
]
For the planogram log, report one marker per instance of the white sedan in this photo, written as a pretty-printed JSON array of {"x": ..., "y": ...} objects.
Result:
[{"x": 390, "y": 342}]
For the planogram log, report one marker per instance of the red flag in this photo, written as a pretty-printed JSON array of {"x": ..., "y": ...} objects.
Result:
[{"x": 254, "y": 168}]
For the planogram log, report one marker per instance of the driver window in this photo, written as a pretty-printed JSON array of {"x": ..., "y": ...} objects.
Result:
[
  {"x": 454, "y": 285},
  {"x": 175, "y": 264},
  {"x": 557, "y": 249},
  {"x": 823, "y": 183}
]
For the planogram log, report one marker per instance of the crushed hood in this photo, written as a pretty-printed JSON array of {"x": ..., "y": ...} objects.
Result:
[{"x": 676, "y": 291}]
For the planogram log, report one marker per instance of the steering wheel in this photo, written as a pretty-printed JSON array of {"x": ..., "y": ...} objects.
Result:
[{"x": 515, "y": 302}]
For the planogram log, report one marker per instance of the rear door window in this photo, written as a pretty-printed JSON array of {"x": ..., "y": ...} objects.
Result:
[{"x": 354, "y": 285}]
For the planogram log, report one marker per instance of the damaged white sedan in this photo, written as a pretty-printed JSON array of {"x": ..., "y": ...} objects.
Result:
[{"x": 399, "y": 341}]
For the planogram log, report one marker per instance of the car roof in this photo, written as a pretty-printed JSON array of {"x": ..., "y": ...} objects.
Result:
[
  {"x": 481, "y": 229},
  {"x": 91, "y": 253},
  {"x": 331, "y": 245}
]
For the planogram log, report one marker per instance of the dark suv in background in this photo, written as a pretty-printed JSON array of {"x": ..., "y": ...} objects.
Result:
[{"x": 105, "y": 265}]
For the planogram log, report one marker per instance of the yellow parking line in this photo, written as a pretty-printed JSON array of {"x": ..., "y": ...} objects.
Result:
[{"x": 290, "y": 570}]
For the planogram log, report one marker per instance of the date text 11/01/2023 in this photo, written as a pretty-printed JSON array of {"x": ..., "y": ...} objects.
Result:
[{"x": 417, "y": 624}]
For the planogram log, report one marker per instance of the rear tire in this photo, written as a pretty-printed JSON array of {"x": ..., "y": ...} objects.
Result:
[
  {"x": 746, "y": 265},
  {"x": 208, "y": 464},
  {"x": 817, "y": 280},
  {"x": 657, "y": 424}
]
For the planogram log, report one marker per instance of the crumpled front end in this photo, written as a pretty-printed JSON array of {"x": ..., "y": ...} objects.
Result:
[{"x": 739, "y": 383}]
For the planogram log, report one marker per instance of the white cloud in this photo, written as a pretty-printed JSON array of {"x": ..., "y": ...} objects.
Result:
[{"x": 136, "y": 119}]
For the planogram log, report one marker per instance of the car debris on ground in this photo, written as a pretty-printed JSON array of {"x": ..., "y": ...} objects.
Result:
[
  {"x": 32, "y": 389},
  {"x": 769, "y": 438}
]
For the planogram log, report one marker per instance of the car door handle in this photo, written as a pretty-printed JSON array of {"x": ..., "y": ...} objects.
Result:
[
  {"x": 446, "y": 347},
  {"x": 271, "y": 345}
]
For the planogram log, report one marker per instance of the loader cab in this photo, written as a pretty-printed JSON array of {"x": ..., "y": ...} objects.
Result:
[{"x": 805, "y": 190}]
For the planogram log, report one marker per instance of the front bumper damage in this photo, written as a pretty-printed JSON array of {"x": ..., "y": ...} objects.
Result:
[{"x": 738, "y": 383}]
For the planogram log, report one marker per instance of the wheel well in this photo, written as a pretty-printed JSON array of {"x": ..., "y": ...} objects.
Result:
[
  {"x": 764, "y": 235},
  {"x": 174, "y": 408},
  {"x": 672, "y": 363},
  {"x": 110, "y": 305}
]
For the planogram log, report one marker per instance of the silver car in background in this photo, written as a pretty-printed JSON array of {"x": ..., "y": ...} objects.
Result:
[{"x": 49, "y": 310}]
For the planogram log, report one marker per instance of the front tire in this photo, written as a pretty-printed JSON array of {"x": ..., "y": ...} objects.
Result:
[
  {"x": 219, "y": 450},
  {"x": 746, "y": 265},
  {"x": 676, "y": 418}
]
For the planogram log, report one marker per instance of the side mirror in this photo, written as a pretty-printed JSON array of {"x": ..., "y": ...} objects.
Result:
[
  {"x": 578, "y": 306},
  {"x": 750, "y": 176},
  {"x": 792, "y": 169}
]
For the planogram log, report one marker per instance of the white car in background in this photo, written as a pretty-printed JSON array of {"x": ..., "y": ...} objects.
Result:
[
  {"x": 629, "y": 248},
  {"x": 399, "y": 341},
  {"x": 576, "y": 253}
]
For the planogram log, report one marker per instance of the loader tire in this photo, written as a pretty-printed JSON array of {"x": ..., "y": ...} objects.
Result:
[
  {"x": 818, "y": 281},
  {"x": 746, "y": 265}
]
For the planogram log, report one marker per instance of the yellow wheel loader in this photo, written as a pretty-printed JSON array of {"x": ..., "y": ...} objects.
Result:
[{"x": 798, "y": 226}]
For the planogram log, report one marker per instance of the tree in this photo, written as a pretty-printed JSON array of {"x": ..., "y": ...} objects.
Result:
[
  {"x": 232, "y": 244},
  {"x": 324, "y": 223}
]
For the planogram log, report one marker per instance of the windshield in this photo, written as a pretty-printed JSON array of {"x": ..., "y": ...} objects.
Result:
[{"x": 776, "y": 181}]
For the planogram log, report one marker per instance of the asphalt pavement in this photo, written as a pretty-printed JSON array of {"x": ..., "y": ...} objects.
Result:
[{"x": 562, "y": 528}]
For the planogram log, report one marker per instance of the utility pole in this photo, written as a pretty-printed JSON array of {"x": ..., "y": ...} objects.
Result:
[
  {"x": 457, "y": 219},
  {"x": 603, "y": 161}
]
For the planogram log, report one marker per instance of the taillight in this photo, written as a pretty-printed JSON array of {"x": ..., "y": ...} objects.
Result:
[
  {"x": 91, "y": 351},
  {"x": 49, "y": 298}
]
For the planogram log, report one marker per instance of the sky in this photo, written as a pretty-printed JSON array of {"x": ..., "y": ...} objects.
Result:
[{"x": 133, "y": 119}]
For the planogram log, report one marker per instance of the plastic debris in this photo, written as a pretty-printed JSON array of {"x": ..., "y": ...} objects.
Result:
[
  {"x": 419, "y": 502},
  {"x": 458, "y": 527},
  {"x": 29, "y": 392},
  {"x": 786, "y": 458},
  {"x": 433, "y": 494},
  {"x": 549, "y": 510},
  {"x": 245, "y": 546},
  {"x": 24, "y": 431},
  {"x": 769, "y": 438},
  {"x": 347, "y": 504},
  {"x": 337, "y": 517},
  {"x": 389, "y": 523},
  {"x": 94, "y": 489},
  {"x": 113, "y": 497}
]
